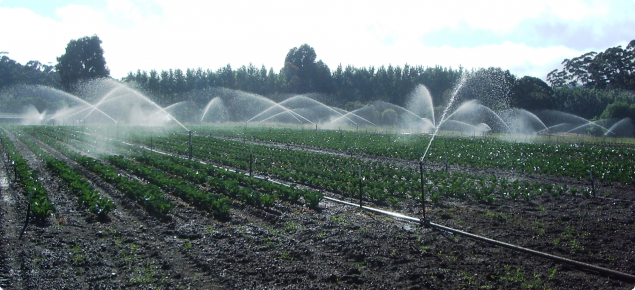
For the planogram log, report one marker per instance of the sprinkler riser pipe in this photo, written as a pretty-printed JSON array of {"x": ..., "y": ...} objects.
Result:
[
  {"x": 359, "y": 168},
  {"x": 423, "y": 195}
]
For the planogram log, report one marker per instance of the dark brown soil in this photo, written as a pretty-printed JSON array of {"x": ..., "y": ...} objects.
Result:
[{"x": 334, "y": 247}]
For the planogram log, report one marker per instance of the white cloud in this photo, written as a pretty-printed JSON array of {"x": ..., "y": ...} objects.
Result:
[{"x": 163, "y": 34}]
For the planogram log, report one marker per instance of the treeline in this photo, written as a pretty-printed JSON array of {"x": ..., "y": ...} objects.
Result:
[
  {"x": 33, "y": 73},
  {"x": 593, "y": 85},
  {"x": 612, "y": 69},
  {"x": 344, "y": 87},
  {"x": 598, "y": 85}
]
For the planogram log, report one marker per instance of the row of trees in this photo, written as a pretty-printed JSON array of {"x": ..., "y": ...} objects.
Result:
[
  {"x": 349, "y": 85},
  {"x": 33, "y": 73},
  {"x": 585, "y": 86},
  {"x": 303, "y": 74},
  {"x": 612, "y": 69}
]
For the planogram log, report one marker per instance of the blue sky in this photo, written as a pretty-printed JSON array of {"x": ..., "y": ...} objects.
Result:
[{"x": 526, "y": 37}]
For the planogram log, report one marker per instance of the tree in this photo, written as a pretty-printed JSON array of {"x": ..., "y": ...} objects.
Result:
[
  {"x": 303, "y": 74},
  {"x": 612, "y": 69},
  {"x": 533, "y": 94},
  {"x": 83, "y": 60},
  {"x": 619, "y": 110},
  {"x": 34, "y": 73}
]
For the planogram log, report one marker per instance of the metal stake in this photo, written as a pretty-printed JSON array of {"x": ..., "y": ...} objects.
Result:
[{"x": 359, "y": 168}]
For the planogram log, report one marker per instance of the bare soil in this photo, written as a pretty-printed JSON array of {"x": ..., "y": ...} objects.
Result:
[{"x": 293, "y": 247}]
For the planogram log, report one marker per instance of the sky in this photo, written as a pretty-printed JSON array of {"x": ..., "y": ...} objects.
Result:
[{"x": 526, "y": 37}]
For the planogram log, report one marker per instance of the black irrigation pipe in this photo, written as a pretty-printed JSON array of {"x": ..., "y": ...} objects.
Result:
[{"x": 621, "y": 275}]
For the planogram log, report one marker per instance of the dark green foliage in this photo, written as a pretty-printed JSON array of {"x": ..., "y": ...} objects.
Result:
[
  {"x": 149, "y": 196},
  {"x": 32, "y": 73},
  {"x": 533, "y": 94},
  {"x": 619, "y": 110},
  {"x": 27, "y": 179},
  {"x": 612, "y": 69},
  {"x": 589, "y": 103},
  {"x": 83, "y": 60},
  {"x": 79, "y": 186},
  {"x": 87, "y": 197}
]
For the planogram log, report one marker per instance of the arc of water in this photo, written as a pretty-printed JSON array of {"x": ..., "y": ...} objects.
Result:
[
  {"x": 267, "y": 110},
  {"x": 73, "y": 114},
  {"x": 352, "y": 113},
  {"x": 474, "y": 102},
  {"x": 166, "y": 108},
  {"x": 326, "y": 106},
  {"x": 292, "y": 114},
  {"x": 100, "y": 101},
  {"x": 462, "y": 123},
  {"x": 399, "y": 107},
  {"x": 619, "y": 123},
  {"x": 592, "y": 123},
  {"x": 282, "y": 107},
  {"x": 530, "y": 114},
  {"x": 554, "y": 127},
  {"x": 94, "y": 108},
  {"x": 135, "y": 93},
  {"x": 445, "y": 111},
  {"x": 207, "y": 107}
]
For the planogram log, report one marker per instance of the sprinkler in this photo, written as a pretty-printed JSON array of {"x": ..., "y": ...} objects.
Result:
[
  {"x": 251, "y": 159},
  {"x": 190, "y": 145},
  {"x": 592, "y": 184},
  {"x": 446, "y": 164},
  {"x": 28, "y": 211},
  {"x": 424, "y": 220}
]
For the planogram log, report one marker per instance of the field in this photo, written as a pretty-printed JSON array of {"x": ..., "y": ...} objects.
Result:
[{"x": 243, "y": 207}]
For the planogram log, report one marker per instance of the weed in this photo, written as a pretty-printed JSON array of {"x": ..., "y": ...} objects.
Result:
[
  {"x": 146, "y": 275},
  {"x": 77, "y": 254},
  {"x": 516, "y": 276},
  {"x": 286, "y": 256},
  {"x": 290, "y": 227},
  {"x": 337, "y": 219},
  {"x": 575, "y": 246}
]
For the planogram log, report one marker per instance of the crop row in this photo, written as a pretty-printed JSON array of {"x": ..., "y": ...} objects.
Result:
[
  {"x": 232, "y": 184},
  {"x": 148, "y": 196},
  {"x": 87, "y": 196},
  {"x": 28, "y": 180},
  {"x": 572, "y": 160},
  {"x": 382, "y": 181},
  {"x": 235, "y": 185},
  {"x": 212, "y": 203}
]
